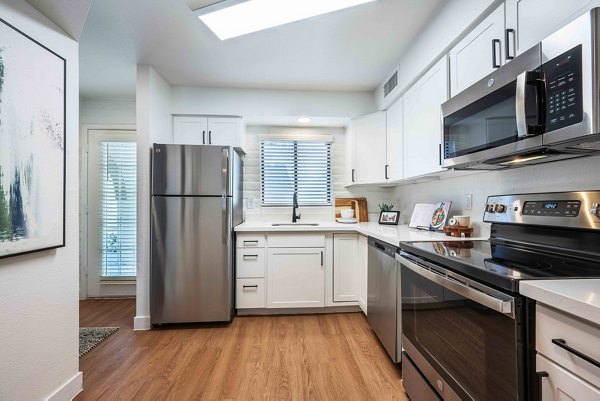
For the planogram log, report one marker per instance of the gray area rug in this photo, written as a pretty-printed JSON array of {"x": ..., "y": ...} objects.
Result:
[{"x": 89, "y": 337}]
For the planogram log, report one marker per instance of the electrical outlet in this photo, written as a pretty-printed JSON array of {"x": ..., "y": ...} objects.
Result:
[
  {"x": 250, "y": 203},
  {"x": 468, "y": 201}
]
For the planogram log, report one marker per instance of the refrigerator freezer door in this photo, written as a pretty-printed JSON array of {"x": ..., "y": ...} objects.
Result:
[
  {"x": 192, "y": 262},
  {"x": 191, "y": 170}
]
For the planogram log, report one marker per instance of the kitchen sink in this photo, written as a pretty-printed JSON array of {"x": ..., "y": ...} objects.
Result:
[{"x": 294, "y": 224}]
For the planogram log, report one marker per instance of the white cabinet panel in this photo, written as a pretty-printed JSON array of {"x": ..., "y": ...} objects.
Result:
[
  {"x": 562, "y": 385},
  {"x": 422, "y": 125},
  {"x": 295, "y": 277},
  {"x": 394, "y": 157},
  {"x": 363, "y": 258},
  {"x": 479, "y": 53},
  {"x": 224, "y": 132},
  {"x": 190, "y": 130},
  {"x": 250, "y": 293},
  {"x": 250, "y": 262},
  {"x": 369, "y": 145},
  {"x": 350, "y": 155},
  {"x": 250, "y": 241},
  {"x": 296, "y": 240},
  {"x": 533, "y": 20},
  {"x": 345, "y": 267}
]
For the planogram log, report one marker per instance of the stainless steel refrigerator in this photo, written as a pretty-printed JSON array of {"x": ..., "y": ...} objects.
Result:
[{"x": 196, "y": 202}]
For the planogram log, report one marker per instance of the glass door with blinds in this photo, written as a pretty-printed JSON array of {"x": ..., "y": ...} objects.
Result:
[{"x": 111, "y": 213}]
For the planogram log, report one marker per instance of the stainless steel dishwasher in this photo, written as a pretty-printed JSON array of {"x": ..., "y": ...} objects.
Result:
[{"x": 382, "y": 295}]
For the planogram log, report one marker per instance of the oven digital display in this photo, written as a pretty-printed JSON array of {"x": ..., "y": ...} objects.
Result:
[{"x": 552, "y": 208}]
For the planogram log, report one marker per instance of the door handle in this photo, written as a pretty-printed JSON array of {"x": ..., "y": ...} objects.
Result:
[
  {"x": 495, "y": 44},
  {"x": 203, "y": 137},
  {"x": 563, "y": 344},
  {"x": 386, "y": 172},
  {"x": 210, "y": 137},
  {"x": 321, "y": 258},
  {"x": 507, "y": 33},
  {"x": 440, "y": 154},
  {"x": 540, "y": 378},
  {"x": 538, "y": 79},
  {"x": 352, "y": 175}
]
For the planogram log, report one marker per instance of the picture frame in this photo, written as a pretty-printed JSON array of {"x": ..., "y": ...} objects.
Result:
[
  {"x": 32, "y": 144},
  {"x": 389, "y": 218}
]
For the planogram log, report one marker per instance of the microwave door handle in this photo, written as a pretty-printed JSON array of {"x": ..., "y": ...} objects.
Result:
[
  {"x": 499, "y": 305},
  {"x": 520, "y": 105}
]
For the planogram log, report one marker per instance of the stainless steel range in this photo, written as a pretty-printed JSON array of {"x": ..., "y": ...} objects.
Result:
[{"x": 465, "y": 328}]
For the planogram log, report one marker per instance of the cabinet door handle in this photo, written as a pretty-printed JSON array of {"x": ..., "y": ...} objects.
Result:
[
  {"x": 440, "y": 154},
  {"x": 540, "y": 378},
  {"x": 495, "y": 45},
  {"x": 386, "y": 172},
  {"x": 507, "y": 34},
  {"x": 203, "y": 137},
  {"x": 209, "y": 137},
  {"x": 321, "y": 258},
  {"x": 352, "y": 175},
  {"x": 563, "y": 344},
  {"x": 250, "y": 286}
]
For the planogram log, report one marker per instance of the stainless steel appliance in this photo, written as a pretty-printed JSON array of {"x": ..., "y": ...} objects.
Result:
[
  {"x": 465, "y": 328},
  {"x": 196, "y": 202},
  {"x": 382, "y": 296},
  {"x": 544, "y": 105}
]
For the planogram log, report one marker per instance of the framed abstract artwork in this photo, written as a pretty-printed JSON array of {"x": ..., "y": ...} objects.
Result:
[{"x": 32, "y": 144}]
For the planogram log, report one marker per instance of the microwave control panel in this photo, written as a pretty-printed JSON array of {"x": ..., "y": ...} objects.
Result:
[{"x": 563, "y": 90}]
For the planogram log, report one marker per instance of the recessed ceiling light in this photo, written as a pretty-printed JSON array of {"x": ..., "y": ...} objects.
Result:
[
  {"x": 256, "y": 15},
  {"x": 304, "y": 120}
]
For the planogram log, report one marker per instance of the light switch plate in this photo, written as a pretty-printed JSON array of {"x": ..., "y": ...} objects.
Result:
[{"x": 468, "y": 201}]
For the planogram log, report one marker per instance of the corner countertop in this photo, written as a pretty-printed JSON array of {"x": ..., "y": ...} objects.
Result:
[
  {"x": 580, "y": 297},
  {"x": 390, "y": 234}
]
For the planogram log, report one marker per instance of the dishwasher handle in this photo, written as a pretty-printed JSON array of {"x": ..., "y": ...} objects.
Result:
[{"x": 504, "y": 306}]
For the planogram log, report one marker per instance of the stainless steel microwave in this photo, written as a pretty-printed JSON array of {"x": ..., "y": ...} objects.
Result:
[{"x": 544, "y": 105}]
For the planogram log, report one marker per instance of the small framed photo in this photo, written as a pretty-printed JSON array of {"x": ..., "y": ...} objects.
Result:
[{"x": 390, "y": 218}]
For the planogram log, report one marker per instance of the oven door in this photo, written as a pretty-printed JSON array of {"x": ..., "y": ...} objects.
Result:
[
  {"x": 465, "y": 338},
  {"x": 501, "y": 115}
]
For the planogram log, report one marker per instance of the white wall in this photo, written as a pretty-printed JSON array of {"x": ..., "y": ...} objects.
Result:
[
  {"x": 39, "y": 292},
  {"x": 154, "y": 124},
  {"x": 259, "y": 102},
  {"x": 106, "y": 111},
  {"x": 568, "y": 175}
]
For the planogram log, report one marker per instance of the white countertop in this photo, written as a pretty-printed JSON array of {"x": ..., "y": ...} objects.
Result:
[
  {"x": 580, "y": 297},
  {"x": 390, "y": 234}
]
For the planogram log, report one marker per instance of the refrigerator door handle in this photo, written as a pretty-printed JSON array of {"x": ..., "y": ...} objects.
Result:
[
  {"x": 225, "y": 217},
  {"x": 225, "y": 172}
]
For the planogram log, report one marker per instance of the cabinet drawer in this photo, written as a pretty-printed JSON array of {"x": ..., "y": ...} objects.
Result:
[
  {"x": 560, "y": 384},
  {"x": 578, "y": 334},
  {"x": 250, "y": 262},
  {"x": 296, "y": 240},
  {"x": 250, "y": 293},
  {"x": 250, "y": 241}
]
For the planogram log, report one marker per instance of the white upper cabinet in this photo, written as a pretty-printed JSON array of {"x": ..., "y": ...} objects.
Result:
[
  {"x": 530, "y": 21},
  {"x": 395, "y": 165},
  {"x": 369, "y": 135},
  {"x": 479, "y": 53},
  {"x": 199, "y": 130},
  {"x": 422, "y": 123},
  {"x": 190, "y": 130}
]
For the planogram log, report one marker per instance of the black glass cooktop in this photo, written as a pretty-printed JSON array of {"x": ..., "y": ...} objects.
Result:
[{"x": 502, "y": 265}]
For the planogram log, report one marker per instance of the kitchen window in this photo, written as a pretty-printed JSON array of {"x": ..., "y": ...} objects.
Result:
[{"x": 288, "y": 166}]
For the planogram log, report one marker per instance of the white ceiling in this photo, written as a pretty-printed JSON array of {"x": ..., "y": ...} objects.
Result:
[
  {"x": 348, "y": 50},
  {"x": 69, "y": 15}
]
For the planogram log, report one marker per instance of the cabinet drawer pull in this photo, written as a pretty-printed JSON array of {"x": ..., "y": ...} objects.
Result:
[
  {"x": 250, "y": 256},
  {"x": 509, "y": 32},
  {"x": 495, "y": 44},
  {"x": 255, "y": 241},
  {"x": 563, "y": 344},
  {"x": 540, "y": 378},
  {"x": 250, "y": 286}
]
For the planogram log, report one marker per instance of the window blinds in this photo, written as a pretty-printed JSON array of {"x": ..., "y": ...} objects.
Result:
[
  {"x": 291, "y": 165},
  {"x": 118, "y": 172}
]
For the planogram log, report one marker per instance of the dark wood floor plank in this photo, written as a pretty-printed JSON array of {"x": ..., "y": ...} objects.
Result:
[{"x": 256, "y": 358}]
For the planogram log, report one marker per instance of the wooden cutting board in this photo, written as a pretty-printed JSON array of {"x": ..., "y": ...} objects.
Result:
[{"x": 359, "y": 205}]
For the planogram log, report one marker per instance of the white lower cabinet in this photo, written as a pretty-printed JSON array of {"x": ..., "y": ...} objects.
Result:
[
  {"x": 250, "y": 293},
  {"x": 363, "y": 272},
  {"x": 558, "y": 384},
  {"x": 345, "y": 267},
  {"x": 295, "y": 277}
]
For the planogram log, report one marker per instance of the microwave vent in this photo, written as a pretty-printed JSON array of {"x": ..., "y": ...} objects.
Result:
[{"x": 390, "y": 84}]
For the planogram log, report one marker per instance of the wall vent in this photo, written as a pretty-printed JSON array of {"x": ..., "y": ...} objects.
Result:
[{"x": 390, "y": 84}]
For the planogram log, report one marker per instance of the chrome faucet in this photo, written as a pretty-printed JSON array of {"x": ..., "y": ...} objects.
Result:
[{"x": 295, "y": 217}]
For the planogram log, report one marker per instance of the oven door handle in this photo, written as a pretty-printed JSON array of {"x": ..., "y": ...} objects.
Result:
[{"x": 499, "y": 305}]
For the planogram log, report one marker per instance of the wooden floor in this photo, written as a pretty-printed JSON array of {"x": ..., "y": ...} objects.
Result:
[{"x": 309, "y": 357}]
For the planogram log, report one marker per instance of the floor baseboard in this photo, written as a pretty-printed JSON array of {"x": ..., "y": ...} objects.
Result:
[
  {"x": 141, "y": 323},
  {"x": 68, "y": 390}
]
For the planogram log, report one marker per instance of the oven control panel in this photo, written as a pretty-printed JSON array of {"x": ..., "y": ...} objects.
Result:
[{"x": 560, "y": 209}]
